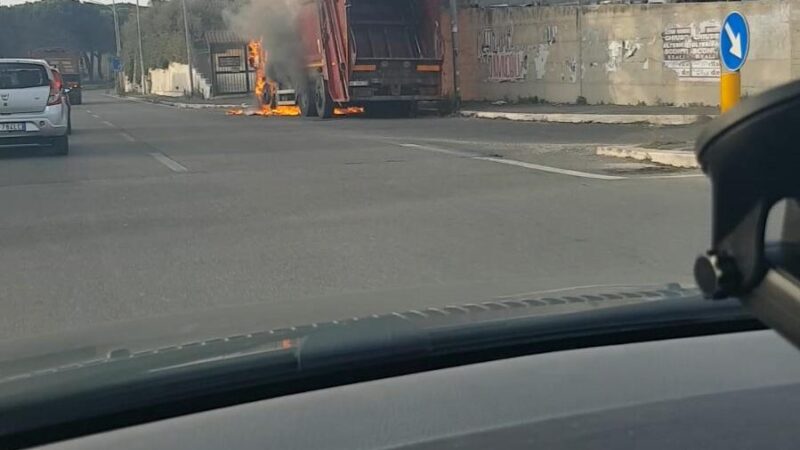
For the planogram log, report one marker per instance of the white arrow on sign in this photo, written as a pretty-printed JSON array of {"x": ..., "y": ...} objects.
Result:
[{"x": 736, "y": 41}]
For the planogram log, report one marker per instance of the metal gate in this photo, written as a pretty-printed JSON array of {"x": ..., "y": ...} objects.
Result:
[{"x": 231, "y": 71}]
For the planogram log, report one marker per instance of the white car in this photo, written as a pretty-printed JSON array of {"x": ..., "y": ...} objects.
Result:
[{"x": 33, "y": 108}]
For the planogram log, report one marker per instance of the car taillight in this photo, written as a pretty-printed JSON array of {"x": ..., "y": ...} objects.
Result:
[{"x": 55, "y": 94}]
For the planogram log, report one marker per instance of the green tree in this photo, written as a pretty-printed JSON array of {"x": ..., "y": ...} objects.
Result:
[
  {"x": 81, "y": 27},
  {"x": 163, "y": 38}
]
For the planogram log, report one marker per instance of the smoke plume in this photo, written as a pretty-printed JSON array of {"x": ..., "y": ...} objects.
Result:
[{"x": 274, "y": 21}]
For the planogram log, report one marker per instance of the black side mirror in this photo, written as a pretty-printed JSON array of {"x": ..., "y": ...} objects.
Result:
[{"x": 752, "y": 156}]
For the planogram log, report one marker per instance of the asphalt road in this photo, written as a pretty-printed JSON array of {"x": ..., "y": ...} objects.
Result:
[{"x": 159, "y": 211}]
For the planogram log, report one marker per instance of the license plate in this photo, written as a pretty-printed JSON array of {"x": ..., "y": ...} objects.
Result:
[{"x": 17, "y": 126}]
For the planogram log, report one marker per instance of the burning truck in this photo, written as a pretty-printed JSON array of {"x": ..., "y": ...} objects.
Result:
[
  {"x": 379, "y": 55},
  {"x": 270, "y": 100}
]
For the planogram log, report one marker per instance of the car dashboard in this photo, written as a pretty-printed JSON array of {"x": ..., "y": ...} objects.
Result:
[{"x": 728, "y": 391}]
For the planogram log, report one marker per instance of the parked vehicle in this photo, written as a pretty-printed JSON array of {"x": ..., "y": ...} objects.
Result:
[
  {"x": 378, "y": 54},
  {"x": 65, "y": 96},
  {"x": 33, "y": 110},
  {"x": 68, "y": 63}
]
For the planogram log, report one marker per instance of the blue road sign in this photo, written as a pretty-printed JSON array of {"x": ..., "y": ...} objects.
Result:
[
  {"x": 734, "y": 41},
  {"x": 116, "y": 64}
]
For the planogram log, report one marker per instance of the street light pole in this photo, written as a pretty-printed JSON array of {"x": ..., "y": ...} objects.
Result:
[
  {"x": 454, "y": 45},
  {"x": 188, "y": 48},
  {"x": 141, "y": 52},
  {"x": 120, "y": 87}
]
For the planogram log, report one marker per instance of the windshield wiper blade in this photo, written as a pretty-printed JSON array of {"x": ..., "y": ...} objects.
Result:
[{"x": 638, "y": 322}]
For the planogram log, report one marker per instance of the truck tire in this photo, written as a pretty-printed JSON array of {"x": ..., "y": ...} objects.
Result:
[
  {"x": 60, "y": 145},
  {"x": 308, "y": 107},
  {"x": 75, "y": 97},
  {"x": 322, "y": 99}
]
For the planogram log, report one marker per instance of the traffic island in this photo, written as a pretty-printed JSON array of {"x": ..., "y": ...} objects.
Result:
[
  {"x": 615, "y": 119},
  {"x": 682, "y": 156}
]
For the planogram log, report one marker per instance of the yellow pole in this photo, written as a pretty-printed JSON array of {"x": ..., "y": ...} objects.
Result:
[{"x": 730, "y": 90}]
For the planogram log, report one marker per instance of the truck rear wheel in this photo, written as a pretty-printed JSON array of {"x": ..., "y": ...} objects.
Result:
[
  {"x": 308, "y": 107},
  {"x": 323, "y": 100},
  {"x": 75, "y": 97}
]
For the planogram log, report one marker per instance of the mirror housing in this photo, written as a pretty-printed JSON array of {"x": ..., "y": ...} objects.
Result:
[{"x": 752, "y": 156}]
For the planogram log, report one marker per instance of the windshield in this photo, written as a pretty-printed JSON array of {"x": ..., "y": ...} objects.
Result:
[
  {"x": 218, "y": 168},
  {"x": 21, "y": 76}
]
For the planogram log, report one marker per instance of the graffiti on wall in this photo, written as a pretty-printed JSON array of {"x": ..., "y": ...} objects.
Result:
[
  {"x": 509, "y": 62},
  {"x": 505, "y": 61},
  {"x": 692, "y": 51}
]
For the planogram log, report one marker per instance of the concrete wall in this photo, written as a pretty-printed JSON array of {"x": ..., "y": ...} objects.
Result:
[
  {"x": 174, "y": 81},
  {"x": 620, "y": 54}
]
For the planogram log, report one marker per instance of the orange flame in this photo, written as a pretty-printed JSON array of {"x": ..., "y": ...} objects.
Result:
[
  {"x": 348, "y": 111},
  {"x": 280, "y": 110},
  {"x": 254, "y": 53},
  {"x": 257, "y": 59}
]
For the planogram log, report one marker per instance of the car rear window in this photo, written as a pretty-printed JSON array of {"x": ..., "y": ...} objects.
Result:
[{"x": 22, "y": 75}]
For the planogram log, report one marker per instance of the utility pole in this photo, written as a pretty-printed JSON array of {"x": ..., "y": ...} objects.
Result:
[
  {"x": 579, "y": 66},
  {"x": 141, "y": 52},
  {"x": 188, "y": 49},
  {"x": 454, "y": 38},
  {"x": 120, "y": 87}
]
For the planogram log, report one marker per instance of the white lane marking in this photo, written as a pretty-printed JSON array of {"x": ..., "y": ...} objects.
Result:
[
  {"x": 521, "y": 145},
  {"x": 127, "y": 137},
  {"x": 95, "y": 116},
  {"x": 440, "y": 150},
  {"x": 512, "y": 162},
  {"x": 173, "y": 165},
  {"x": 89, "y": 111},
  {"x": 105, "y": 122},
  {"x": 541, "y": 168}
]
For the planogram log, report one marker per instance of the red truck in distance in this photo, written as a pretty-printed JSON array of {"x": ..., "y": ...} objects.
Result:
[
  {"x": 68, "y": 63},
  {"x": 382, "y": 55}
]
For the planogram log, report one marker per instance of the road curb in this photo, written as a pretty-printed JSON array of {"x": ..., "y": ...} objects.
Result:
[
  {"x": 196, "y": 105},
  {"x": 675, "y": 158},
  {"x": 652, "y": 119},
  {"x": 175, "y": 104}
]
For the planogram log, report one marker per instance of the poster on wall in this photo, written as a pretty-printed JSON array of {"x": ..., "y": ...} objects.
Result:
[{"x": 691, "y": 51}]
